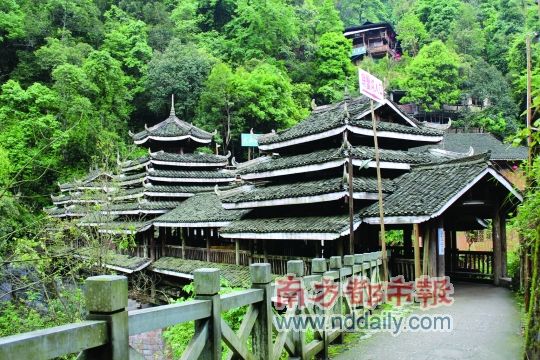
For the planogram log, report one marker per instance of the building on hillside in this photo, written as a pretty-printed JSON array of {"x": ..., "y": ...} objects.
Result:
[{"x": 376, "y": 40}]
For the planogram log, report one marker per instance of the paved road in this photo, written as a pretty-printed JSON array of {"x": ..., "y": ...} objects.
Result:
[{"x": 486, "y": 326}]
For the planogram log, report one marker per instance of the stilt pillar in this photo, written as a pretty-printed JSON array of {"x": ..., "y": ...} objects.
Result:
[{"x": 497, "y": 248}]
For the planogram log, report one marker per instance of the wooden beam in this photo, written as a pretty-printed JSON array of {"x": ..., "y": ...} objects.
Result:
[
  {"x": 416, "y": 245},
  {"x": 237, "y": 251},
  {"x": 425, "y": 244}
]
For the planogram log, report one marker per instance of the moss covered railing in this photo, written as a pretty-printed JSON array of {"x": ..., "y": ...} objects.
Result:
[{"x": 105, "y": 333}]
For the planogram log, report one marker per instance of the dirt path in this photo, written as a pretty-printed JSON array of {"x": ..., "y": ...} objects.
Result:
[{"x": 486, "y": 326}]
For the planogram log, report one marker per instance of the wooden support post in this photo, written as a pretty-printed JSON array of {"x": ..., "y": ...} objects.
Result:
[
  {"x": 106, "y": 299},
  {"x": 504, "y": 249},
  {"x": 261, "y": 278},
  {"x": 433, "y": 250},
  {"x": 251, "y": 250},
  {"x": 206, "y": 285},
  {"x": 183, "y": 242},
  {"x": 497, "y": 253},
  {"x": 237, "y": 251},
  {"x": 153, "y": 245},
  {"x": 265, "y": 250},
  {"x": 208, "y": 248},
  {"x": 416, "y": 245},
  {"x": 351, "y": 203},
  {"x": 380, "y": 196},
  {"x": 425, "y": 245},
  {"x": 441, "y": 242},
  {"x": 453, "y": 254},
  {"x": 407, "y": 242}
]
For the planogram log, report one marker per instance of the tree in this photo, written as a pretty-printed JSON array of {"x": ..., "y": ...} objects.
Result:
[
  {"x": 262, "y": 29},
  {"x": 266, "y": 100},
  {"x": 218, "y": 104},
  {"x": 11, "y": 20},
  {"x": 438, "y": 16},
  {"x": 431, "y": 77},
  {"x": 466, "y": 36},
  {"x": 126, "y": 39},
  {"x": 61, "y": 51},
  {"x": 412, "y": 33},
  {"x": 180, "y": 70},
  {"x": 357, "y": 12},
  {"x": 334, "y": 68}
]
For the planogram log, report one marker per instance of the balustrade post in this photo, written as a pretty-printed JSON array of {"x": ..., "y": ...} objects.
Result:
[
  {"x": 348, "y": 264},
  {"x": 261, "y": 278},
  {"x": 106, "y": 299},
  {"x": 336, "y": 265},
  {"x": 296, "y": 268},
  {"x": 319, "y": 267},
  {"x": 206, "y": 283}
]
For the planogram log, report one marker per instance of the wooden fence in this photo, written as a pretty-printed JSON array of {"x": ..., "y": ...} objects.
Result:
[{"x": 105, "y": 333}]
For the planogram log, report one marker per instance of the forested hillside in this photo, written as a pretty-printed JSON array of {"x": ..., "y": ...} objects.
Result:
[{"x": 76, "y": 75}]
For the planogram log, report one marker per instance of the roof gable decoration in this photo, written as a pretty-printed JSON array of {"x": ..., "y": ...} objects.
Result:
[
  {"x": 332, "y": 120},
  {"x": 172, "y": 129}
]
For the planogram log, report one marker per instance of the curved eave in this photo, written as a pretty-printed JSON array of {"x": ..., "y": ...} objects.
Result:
[
  {"x": 135, "y": 167},
  {"x": 128, "y": 197},
  {"x": 294, "y": 170},
  {"x": 133, "y": 212},
  {"x": 303, "y": 139},
  {"x": 190, "y": 164},
  {"x": 209, "y": 224},
  {"x": 124, "y": 231},
  {"x": 289, "y": 235},
  {"x": 299, "y": 200},
  {"x": 172, "y": 138},
  {"x": 382, "y": 164},
  {"x": 394, "y": 135},
  {"x": 191, "y": 180},
  {"x": 168, "y": 194}
]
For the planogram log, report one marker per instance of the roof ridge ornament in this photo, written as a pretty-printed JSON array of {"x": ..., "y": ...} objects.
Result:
[{"x": 173, "y": 112}]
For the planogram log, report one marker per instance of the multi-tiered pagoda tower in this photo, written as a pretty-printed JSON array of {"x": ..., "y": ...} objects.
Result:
[{"x": 152, "y": 185}]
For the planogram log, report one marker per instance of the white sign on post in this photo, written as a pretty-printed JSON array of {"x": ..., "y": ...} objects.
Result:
[{"x": 370, "y": 86}]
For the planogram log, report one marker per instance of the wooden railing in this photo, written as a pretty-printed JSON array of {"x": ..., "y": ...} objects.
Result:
[
  {"x": 278, "y": 263},
  {"x": 106, "y": 333},
  {"x": 472, "y": 264},
  {"x": 405, "y": 267}
]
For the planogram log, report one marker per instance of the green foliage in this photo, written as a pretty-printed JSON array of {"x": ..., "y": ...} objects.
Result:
[
  {"x": 412, "y": 33},
  {"x": 431, "y": 77},
  {"x": 334, "y": 68},
  {"x": 180, "y": 70},
  {"x": 11, "y": 20},
  {"x": 262, "y": 29},
  {"x": 356, "y": 12},
  {"x": 438, "y": 16}
]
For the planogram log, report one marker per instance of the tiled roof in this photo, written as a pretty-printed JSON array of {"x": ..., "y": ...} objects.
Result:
[
  {"x": 351, "y": 114},
  {"x": 171, "y": 128},
  {"x": 398, "y": 128},
  {"x": 192, "y": 174},
  {"x": 200, "y": 208},
  {"x": 481, "y": 143},
  {"x": 190, "y": 158},
  {"x": 305, "y": 188},
  {"x": 140, "y": 207},
  {"x": 182, "y": 189},
  {"x": 426, "y": 189},
  {"x": 87, "y": 180},
  {"x": 320, "y": 120},
  {"x": 333, "y": 224},
  {"x": 235, "y": 275},
  {"x": 125, "y": 263},
  {"x": 324, "y": 156}
]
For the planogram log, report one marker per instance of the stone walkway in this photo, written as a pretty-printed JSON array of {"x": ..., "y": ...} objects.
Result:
[{"x": 486, "y": 326}]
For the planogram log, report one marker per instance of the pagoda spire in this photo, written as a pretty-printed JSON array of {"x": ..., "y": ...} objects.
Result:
[{"x": 172, "y": 113}]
